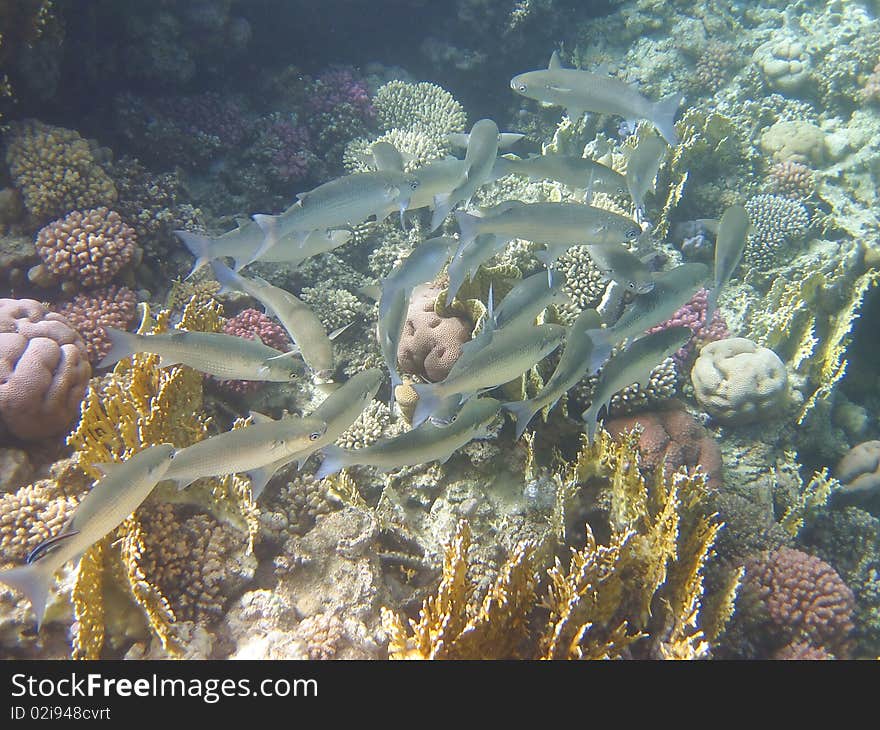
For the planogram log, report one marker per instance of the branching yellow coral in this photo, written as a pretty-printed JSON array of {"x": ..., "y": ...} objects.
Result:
[{"x": 449, "y": 627}]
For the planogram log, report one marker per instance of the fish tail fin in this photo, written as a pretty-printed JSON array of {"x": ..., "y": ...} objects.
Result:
[
  {"x": 522, "y": 411},
  {"x": 664, "y": 117},
  {"x": 33, "y": 581},
  {"x": 269, "y": 226},
  {"x": 456, "y": 279},
  {"x": 467, "y": 226},
  {"x": 590, "y": 418},
  {"x": 601, "y": 350},
  {"x": 428, "y": 404},
  {"x": 199, "y": 246},
  {"x": 229, "y": 280},
  {"x": 334, "y": 461},
  {"x": 122, "y": 344},
  {"x": 711, "y": 304}
]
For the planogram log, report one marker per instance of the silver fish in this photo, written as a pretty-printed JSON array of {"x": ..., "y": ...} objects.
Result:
[
  {"x": 575, "y": 172},
  {"x": 339, "y": 410},
  {"x": 482, "y": 151},
  {"x": 557, "y": 225},
  {"x": 295, "y": 316},
  {"x": 435, "y": 179},
  {"x": 386, "y": 156},
  {"x": 345, "y": 201},
  {"x": 671, "y": 290},
  {"x": 618, "y": 263},
  {"x": 110, "y": 501},
  {"x": 633, "y": 365},
  {"x": 582, "y": 91},
  {"x": 730, "y": 242},
  {"x": 242, "y": 244},
  {"x": 507, "y": 356},
  {"x": 572, "y": 368},
  {"x": 223, "y": 356},
  {"x": 527, "y": 299},
  {"x": 642, "y": 164},
  {"x": 421, "y": 445},
  {"x": 506, "y": 140},
  {"x": 422, "y": 264},
  {"x": 468, "y": 257},
  {"x": 246, "y": 450},
  {"x": 389, "y": 329}
]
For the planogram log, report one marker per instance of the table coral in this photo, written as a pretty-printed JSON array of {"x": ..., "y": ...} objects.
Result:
[
  {"x": 55, "y": 170},
  {"x": 738, "y": 382},
  {"x": 89, "y": 313},
  {"x": 44, "y": 370},
  {"x": 87, "y": 247}
]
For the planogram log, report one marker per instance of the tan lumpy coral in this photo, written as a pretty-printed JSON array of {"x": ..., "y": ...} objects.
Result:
[
  {"x": 430, "y": 344},
  {"x": 87, "y": 246},
  {"x": 859, "y": 469},
  {"x": 736, "y": 381},
  {"x": 55, "y": 170},
  {"x": 44, "y": 370}
]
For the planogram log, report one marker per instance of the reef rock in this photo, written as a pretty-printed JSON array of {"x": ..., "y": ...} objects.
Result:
[
  {"x": 736, "y": 381},
  {"x": 859, "y": 470}
]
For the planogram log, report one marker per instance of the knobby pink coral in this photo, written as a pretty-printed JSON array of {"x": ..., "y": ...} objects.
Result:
[
  {"x": 89, "y": 314},
  {"x": 44, "y": 370}
]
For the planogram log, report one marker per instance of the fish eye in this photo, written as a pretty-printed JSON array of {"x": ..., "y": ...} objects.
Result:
[
  {"x": 631, "y": 286},
  {"x": 414, "y": 184},
  {"x": 633, "y": 233},
  {"x": 314, "y": 435},
  {"x": 292, "y": 376},
  {"x": 521, "y": 88}
]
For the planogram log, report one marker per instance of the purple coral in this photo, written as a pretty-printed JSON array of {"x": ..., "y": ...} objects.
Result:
[
  {"x": 693, "y": 315},
  {"x": 339, "y": 87},
  {"x": 247, "y": 324},
  {"x": 285, "y": 148}
]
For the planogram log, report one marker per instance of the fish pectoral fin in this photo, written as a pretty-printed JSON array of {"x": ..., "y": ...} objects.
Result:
[
  {"x": 554, "y": 61},
  {"x": 444, "y": 459},
  {"x": 45, "y": 547},
  {"x": 335, "y": 333},
  {"x": 562, "y": 89},
  {"x": 574, "y": 113},
  {"x": 290, "y": 353},
  {"x": 258, "y": 417},
  {"x": 260, "y": 478}
]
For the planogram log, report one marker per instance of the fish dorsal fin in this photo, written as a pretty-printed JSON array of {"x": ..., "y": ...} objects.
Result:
[
  {"x": 242, "y": 221},
  {"x": 107, "y": 467},
  {"x": 335, "y": 333},
  {"x": 555, "y": 63},
  {"x": 258, "y": 417},
  {"x": 259, "y": 339}
]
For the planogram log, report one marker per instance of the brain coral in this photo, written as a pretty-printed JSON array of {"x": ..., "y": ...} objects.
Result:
[
  {"x": 422, "y": 107},
  {"x": 87, "y": 247},
  {"x": 44, "y": 370},
  {"x": 859, "y": 469},
  {"x": 430, "y": 344},
  {"x": 803, "y": 597},
  {"x": 89, "y": 314},
  {"x": 736, "y": 381},
  {"x": 55, "y": 170}
]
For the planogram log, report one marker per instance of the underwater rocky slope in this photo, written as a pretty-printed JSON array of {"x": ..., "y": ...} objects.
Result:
[{"x": 728, "y": 506}]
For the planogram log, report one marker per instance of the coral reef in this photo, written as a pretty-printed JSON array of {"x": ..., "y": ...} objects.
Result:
[
  {"x": 430, "y": 343},
  {"x": 791, "y": 179},
  {"x": 89, "y": 313},
  {"x": 737, "y": 382},
  {"x": 693, "y": 315},
  {"x": 44, "y": 371},
  {"x": 55, "y": 170},
  {"x": 420, "y": 107},
  {"x": 859, "y": 470},
  {"x": 86, "y": 247}
]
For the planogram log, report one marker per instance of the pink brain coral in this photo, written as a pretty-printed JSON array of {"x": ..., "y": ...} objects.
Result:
[
  {"x": 44, "y": 370},
  {"x": 430, "y": 344}
]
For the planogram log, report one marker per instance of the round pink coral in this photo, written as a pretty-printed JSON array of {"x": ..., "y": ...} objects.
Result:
[
  {"x": 87, "y": 247},
  {"x": 804, "y": 597},
  {"x": 430, "y": 344},
  {"x": 247, "y": 324},
  {"x": 44, "y": 370},
  {"x": 693, "y": 315},
  {"x": 89, "y": 314}
]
